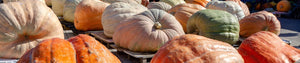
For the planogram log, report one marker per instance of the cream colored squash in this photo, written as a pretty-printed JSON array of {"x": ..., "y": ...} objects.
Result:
[
  {"x": 228, "y": 6},
  {"x": 69, "y": 9},
  {"x": 58, "y": 7}
]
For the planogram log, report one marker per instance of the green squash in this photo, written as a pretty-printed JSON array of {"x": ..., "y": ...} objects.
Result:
[{"x": 215, "y": 24}]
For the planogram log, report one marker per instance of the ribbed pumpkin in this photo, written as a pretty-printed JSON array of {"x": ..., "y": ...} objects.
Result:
[
  {"x": 118, "y": 12},
  {"x": 259, "y": 21},
  {"x": 69, "y": 9},
  {"x": 23, "y": 24},
  {"x": 243, "y": 6},
  {"x": 88, "y": 15},
  {"x": 284, "y": 6},
  {"x": 215, "y": 24},
  {"x": 85, "y": 49},
  {"x": 143, "y": 2},
  {"x": 266, "y": 47},
  {"x": 196, "y": 49},
  {"x": 6, "y": 1},
  {"x": 148, "y": 31},
  {"x": 199, "y": 2},
  {"x": 159, "y": 5},
  {"x": 58, "y": 6},
  {"x": 173, "y": 2},
  {"x": 183, "y": 12},
  {"x": 228, "y": 6}
]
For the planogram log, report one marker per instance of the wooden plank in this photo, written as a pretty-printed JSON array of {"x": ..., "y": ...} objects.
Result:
[
  {"x": 134, "y": 54},
  {"x": 100, "y": 36}
]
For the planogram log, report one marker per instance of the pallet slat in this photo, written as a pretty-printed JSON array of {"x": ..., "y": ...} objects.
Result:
[{"x": 142, "y": 56}]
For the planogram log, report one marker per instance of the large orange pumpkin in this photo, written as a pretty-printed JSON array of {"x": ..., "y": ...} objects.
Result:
[
  {"x": 199, "y": 2},
  {"x": 243, "y": 6},
  {"x": 259, "y": 21},
  {"x": 24, "y": 24},
  {"x": 85, "y": 49},
  {"x": 183, "y": 12},
  {"x": 196, "y": 49},
  {"x": 88, "y": 15},
  {"x": 266, "y": 47},
  {"x": 283, "y": 6}
]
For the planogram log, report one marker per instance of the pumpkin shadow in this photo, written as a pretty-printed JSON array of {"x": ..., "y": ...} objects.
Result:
[{"x": 288, "y": 34}]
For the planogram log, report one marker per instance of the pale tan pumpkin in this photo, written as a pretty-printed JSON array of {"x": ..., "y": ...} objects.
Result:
[
  {"x": 173, "y": 2},
  {"x": 243, "y": 6},
  {"x": 48, "y": 2},
  {"x": 159, "y": 5},
  {"x": 143, "y": 2},
  {"x": 118, "y": 12},
  {"x": 24, "y": 24},
  {"x": 147, "y": 31},
  {"x": 69, "y": 9},
  {"x": 88, "y": 15},
  {"x": 228, "y": 6},
  {"x": 6, "y": 1},
  {"x": 58, "y": 7},
  {"x": 199, "y": 2},
  {"x": 183, "y": 12}
]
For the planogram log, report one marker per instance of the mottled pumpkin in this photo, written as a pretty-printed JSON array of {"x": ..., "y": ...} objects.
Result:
[
  {"x": 173, "y": 2},
  {"x": 283, "y": 6},
  {"x": 159, "y": 5},
  {"x": 215, "y": 24},
  {"x": 228, "y": 6},
  {"x": 24, "y": 24},
  {"x": 81, "y": 49},
  {"x": 118, "y": 12},
  {"x": 183, "y": 12},
  {"x": 259, "y": 21},
  {"x": 196, "y": 49},
  {"x": 243, "y": 6},
  {"x": 69, "y": 10},
  {"x": 266, "y": 47},
  {"x": 199, "y": 2},
  {"x": 147, "y": 31},
  {"x": 88, "y": 15}
]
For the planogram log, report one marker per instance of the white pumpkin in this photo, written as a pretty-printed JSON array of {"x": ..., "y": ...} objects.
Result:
[
  {"x": 173, "y": 2},
  {"x": 58, "y": 7},
  {"x": 159, "y": 5},
  {"x": 228, "y": 6},
  {"x": 69, "y": 9}
]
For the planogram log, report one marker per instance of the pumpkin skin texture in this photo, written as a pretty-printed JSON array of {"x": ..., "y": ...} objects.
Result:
[
  {"x": 143, "y": 2},
  {"x": 159, "y": 5},
  {"x": 51, "y": 51},
  {"x": 243, "y": 6},
  {"x": 228, "y": 6},
  {"x": 284, "y": 6},
  {"x": 199, "y": 2},
  {"x": 88, "y": 15},
  {"x": 266, "y": 47},
  {"x": 215, "y": 24},
  {"x": 118, "y": 12},
  {"x": 89, "y": 50},
  {"x": 69, "y": 10},
  {"x": 259, "y": 21},
  {"x": 48, "y": 2},
  {"x": 58, "y": 7},
  {"x": 191, "y": 48},
  {"x": 173, "y": 2},
  {"x": 183, "y": 12},
  {"x": 148, "y": 31},
  {"x": 24, "y": 24}
]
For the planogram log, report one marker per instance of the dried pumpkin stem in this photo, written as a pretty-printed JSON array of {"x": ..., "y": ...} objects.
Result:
[{"x": 157, "y": 25}]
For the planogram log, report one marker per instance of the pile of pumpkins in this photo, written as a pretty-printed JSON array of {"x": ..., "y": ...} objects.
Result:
[{"x": 178, "y": 31}]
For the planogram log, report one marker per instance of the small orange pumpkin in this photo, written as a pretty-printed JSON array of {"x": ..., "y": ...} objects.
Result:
[{"x": 283, "y": 6}]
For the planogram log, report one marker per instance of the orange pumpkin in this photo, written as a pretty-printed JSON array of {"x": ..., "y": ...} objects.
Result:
[
  {"x": 88, "y": 15},
  {"x": 266, "y": 47},
  {"x": 284, "y": 6},
  {"x": 183, "y": 12},
  {"x": 196, "y": 49},
  {"x": 259, "y": 21},
  {"x": 199, "y": 2},
  {"x": 243, "y": 6},
  {"x": 85, "y": 49}
]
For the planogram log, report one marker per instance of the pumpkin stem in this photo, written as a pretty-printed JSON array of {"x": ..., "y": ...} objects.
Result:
[{"x": 157, "y": 25}]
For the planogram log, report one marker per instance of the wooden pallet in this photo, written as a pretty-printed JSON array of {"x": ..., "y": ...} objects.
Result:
[
  {"x": 102, "y": 38},
  {"x": 141, "y": 56}
]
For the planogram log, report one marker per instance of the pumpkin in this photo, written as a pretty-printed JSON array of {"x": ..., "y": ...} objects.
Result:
[
  {"x": 6, "y": 1},
  {"x": 88, "y": 15},
  {"x": 48, "y": 2},
  {"x": 173, "y": 2},
  {"x": 81, "y": 49},
  {"x": 243, "y": 6},
  {"x": 147, "y": 31},
  {"x": 69, "y": 10},
  {"x": 143, "y": 2},
  {"x": 58, "y": 7},
  {"x": 51, "y": 51},
  {"x": 284, "y": 6},
  {"x": 196, "y": 49},
  {"x": 228, "y": 6},
  {"x": 266, "y": 47},
  {"x": 118, "y": 12},
  {"x": 199, "y": 2},
  {"x": 215, "y": 24},
  {"x": 159, "y": 5},
  {"x": 259, "y": 21},
  {"x": 183, "y": 12},
  {"x": 24, "y": 24}
]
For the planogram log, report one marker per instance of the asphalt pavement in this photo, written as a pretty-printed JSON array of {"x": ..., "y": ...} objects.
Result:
[{"x": 290, "y": 30}]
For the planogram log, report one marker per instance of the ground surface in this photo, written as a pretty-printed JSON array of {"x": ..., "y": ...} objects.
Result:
[{"x": 290, "y": 30}]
